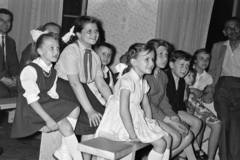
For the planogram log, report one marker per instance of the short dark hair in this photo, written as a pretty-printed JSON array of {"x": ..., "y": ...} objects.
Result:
[
  {"x": 5, "y": 11},
  {"x": 179, "y": 55},
  {"x": 107, "y": 45},
  {"x": 232, "y": 19},
  {"x": 200, "y": 51}
]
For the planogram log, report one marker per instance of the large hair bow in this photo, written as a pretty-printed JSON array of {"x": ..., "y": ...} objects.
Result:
[
  {"x": 36, "y": 34},
  {"x": 68, "y": 35},
  {"x": 120, "y": 68}
]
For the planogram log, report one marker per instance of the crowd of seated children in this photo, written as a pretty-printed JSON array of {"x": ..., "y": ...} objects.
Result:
[
  {"x": 128, "y": 115},
  {"x": 147, "y": 103},
  {"x": 160, "y": 106}
]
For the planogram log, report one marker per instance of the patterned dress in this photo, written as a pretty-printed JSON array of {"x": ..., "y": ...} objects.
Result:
[
  {"x": 196, "y": 106},
  {"x": 112, "y": 127}
]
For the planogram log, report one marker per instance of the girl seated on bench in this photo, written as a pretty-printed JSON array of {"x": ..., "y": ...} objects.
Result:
[
  {"x": 124, "y": 118},
  {"x": 38, "y": 105}
]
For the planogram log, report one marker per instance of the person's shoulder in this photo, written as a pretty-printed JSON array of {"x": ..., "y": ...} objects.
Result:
[
  {"x": 148, "y": 77},
  {"x": 219, "y": 43},
  {"x": 10, "y": 39}
]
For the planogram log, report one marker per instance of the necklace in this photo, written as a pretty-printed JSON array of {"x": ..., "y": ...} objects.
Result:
[{"x": 46, "y": 74}]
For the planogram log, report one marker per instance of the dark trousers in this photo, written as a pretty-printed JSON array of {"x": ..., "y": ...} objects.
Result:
[
  {"x": 7, "y": 92},
  {"x": 227, "y": 106}
]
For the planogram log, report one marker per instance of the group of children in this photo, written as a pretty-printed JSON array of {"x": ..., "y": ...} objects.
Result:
[{"x": 146, "y": 103}]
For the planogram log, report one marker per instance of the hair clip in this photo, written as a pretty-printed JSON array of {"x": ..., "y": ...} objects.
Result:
[
  {"x": 68, "y": 35},
  {"x": 36, "y": 34},
  {"x": 120, "y": 68}
]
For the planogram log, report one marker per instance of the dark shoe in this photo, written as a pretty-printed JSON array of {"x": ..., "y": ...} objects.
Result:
[
  {"x": 201, "y": 155},
  {"x": 1, "y": 150}
]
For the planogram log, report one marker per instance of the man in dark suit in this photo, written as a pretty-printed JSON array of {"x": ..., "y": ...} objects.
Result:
[
  {"x": 225, "y": 90},
  {"x": 9, "y": 64}
]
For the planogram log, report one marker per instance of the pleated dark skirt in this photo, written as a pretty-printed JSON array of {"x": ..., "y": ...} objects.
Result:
[{"x": 65, "y": 91}]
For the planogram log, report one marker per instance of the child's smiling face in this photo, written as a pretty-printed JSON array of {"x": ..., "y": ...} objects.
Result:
[
  {"x": 180, "y": 67},
  {"x": 89, "y": 35},
  {"x": 202, "y": 61},
  {"x": 105, "y": 54}
]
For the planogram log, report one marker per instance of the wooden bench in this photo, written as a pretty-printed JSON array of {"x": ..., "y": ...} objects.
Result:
[
  {"x": 8, "y": 103},
  {"x": 107, "y": 149}
]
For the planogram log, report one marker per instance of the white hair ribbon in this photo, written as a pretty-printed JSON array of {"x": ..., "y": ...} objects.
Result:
[
  {"x": 36, "y": 34},
  {"x": 68, "y": 35},
  {"x": 120, "y": 68}
]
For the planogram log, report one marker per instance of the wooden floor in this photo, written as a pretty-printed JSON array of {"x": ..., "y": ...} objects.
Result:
[{"x": 27, "y": 148}]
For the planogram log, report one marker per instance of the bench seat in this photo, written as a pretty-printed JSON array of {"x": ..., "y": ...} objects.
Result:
[
  {"x": 8, "y": 103},
  {"x": 108, "y": 149}
]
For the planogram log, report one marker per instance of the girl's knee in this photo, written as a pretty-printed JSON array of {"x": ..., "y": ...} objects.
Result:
[
  {"x": 168, "y": 139},
  {"x": 189, "y": 137},
  {"x": 217, "y": 127},
  {"x": 176, "y": 137},
  {"x": 162, "y": 143},
  {"x": 197, "y": 124},
  {"x": 66, "y": 128}
]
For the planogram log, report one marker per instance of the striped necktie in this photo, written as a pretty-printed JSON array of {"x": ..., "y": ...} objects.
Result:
[{"x": 88, "y": 58}]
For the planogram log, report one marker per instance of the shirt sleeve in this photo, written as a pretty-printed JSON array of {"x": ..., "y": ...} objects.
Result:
[
  {"x": 166, "y": 107},
  {"x": 146, "y": 86},
  {"x": 28, "y": 80},
  {"x": 126, "y": 83},
  {"x": 52, "y": 92},
  {"x": 99, "y": 72},
  {"x": 69, "y": 61}
]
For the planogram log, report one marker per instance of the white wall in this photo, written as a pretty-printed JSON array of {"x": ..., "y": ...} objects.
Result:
[{"x": 125, "y": 21}]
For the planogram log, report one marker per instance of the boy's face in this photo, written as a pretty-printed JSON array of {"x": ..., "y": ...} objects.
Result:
[
  {"x": 89, "y": 35},
  {"x": 202, "y": 61},
  {"x": 179, "y": 67},
  {"x": 105, "y": 54},
  {"x": 189, "y": 78},
  {"x": 162, "y": 57}
]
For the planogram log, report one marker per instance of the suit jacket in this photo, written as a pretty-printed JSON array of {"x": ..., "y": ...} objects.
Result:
[
  {"x": 215, "y": 69},
  {"x": 11, "y": 59},
  {"x": 175, "y": 97}
]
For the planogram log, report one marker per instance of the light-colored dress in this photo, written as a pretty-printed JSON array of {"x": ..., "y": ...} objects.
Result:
[{"x": 112, "y": 127}]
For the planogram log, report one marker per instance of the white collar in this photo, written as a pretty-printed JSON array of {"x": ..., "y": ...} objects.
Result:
[{"x": 42, "y": 64}]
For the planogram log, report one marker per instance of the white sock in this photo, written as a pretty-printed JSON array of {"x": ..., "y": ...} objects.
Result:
[
  {"x": 155, "y": 155},
  {"x": 72, "y": 144},
  {"x": 166, "y": 155}
]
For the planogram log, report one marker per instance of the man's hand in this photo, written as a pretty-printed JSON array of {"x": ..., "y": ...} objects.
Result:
[{"x": 8, "y": 81}]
